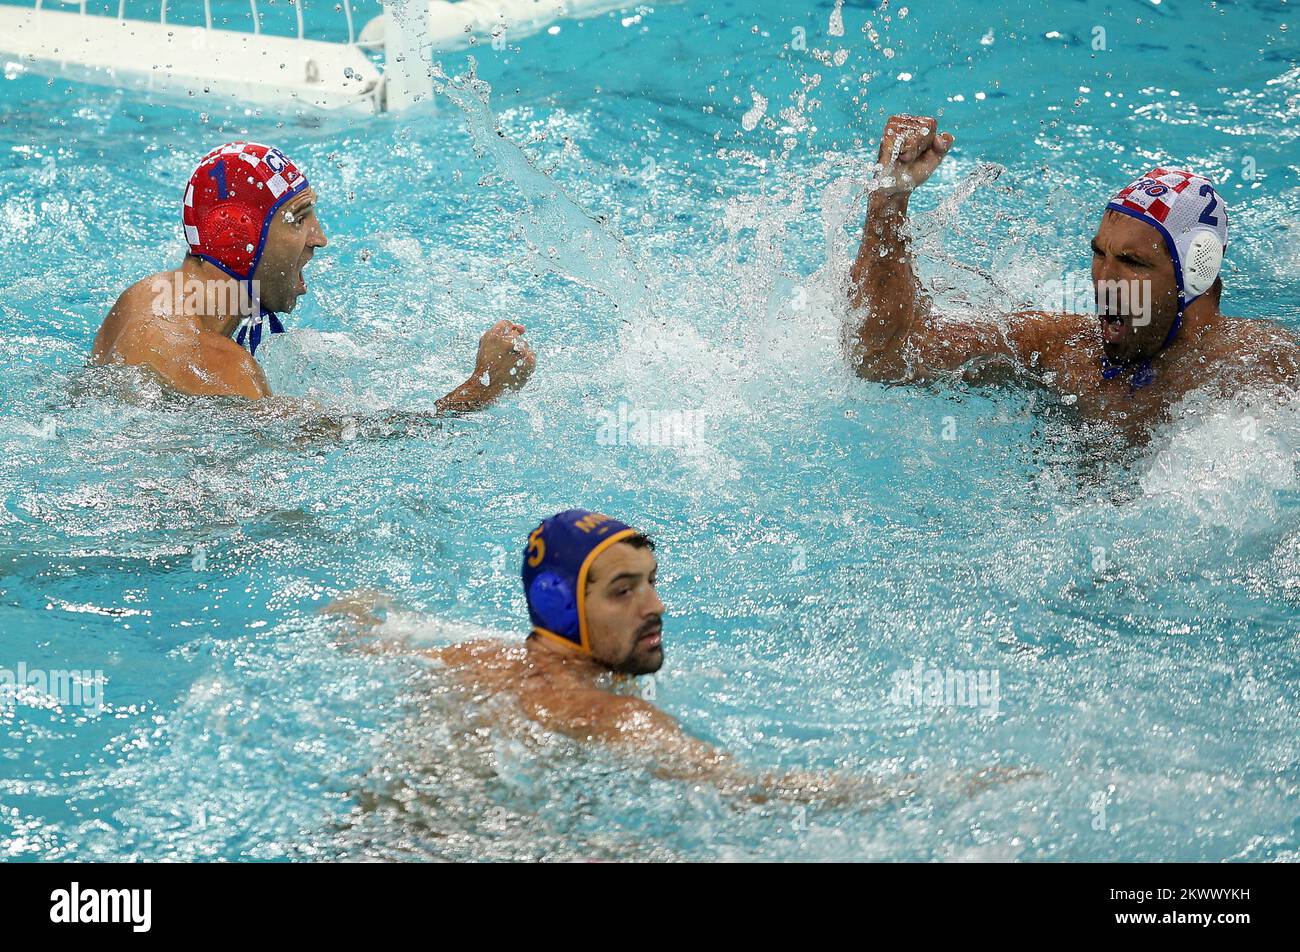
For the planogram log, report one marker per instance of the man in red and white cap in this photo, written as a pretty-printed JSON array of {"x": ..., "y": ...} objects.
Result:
[
  {"x": 1156, "y": 332},
  {"x": 251, "y": 229}
]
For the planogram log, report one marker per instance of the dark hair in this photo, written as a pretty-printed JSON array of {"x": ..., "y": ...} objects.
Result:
[{"x": 640, "y": 541}]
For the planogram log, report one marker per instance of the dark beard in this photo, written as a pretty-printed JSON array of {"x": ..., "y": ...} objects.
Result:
[{"x": 636, "y": 663}]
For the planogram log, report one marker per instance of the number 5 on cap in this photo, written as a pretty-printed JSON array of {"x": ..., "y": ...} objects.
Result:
[{"x": 536, "y": 547}]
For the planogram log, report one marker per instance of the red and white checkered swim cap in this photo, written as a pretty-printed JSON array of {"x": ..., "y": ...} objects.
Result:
[
  {"x": 229, "y": 202},
  {"x": 1190, "y": 216}
]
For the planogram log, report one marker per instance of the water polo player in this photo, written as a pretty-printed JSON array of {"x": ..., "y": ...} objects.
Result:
[
  {"x": 595, "y": 623},
  {"x": 251, "y": 228},
  {"x": 1157, "y": 332}
]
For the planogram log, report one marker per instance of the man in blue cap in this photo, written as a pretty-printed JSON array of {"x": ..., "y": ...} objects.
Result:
[
  {"x": 590, "y": 584},
  {"x": 596, "y": 623}
]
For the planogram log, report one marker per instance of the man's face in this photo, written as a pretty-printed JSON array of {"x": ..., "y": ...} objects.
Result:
[
  {"x": 624, "y": 614},
  {"x": 292, "y": 239},
  {"x": 1135, "y": 287}
]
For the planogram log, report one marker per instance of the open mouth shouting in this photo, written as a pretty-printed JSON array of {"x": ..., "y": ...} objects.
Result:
[
  {"x": 1113, "y": 328},
  {"x": 301, "y": 284}
]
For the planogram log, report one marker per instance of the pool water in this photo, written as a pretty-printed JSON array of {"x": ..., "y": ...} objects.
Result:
[{"x": 671, "y": 212}]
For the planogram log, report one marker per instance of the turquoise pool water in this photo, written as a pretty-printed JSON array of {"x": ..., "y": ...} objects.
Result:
[{"x": 670, "y": 250}]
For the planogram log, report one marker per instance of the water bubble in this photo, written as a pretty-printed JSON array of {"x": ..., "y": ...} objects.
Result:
[
  {"x": 836, "y": 25},
  {"x": 751, "y": 118}
]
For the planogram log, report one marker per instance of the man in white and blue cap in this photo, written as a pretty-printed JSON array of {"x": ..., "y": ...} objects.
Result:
[{"x": 1156, "y": 333}]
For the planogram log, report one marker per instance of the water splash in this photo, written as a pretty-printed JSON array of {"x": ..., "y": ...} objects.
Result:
[{"x": 566, "y": 237}]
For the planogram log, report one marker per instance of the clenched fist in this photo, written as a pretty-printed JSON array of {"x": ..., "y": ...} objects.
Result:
[
  {"x": 911, "y": 148},
  {"x": 504, "y": 362}
]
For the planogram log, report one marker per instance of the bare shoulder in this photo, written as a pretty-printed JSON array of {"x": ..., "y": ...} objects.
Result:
[
  {"x": 486, "y": 666},
  {"x": 234, "y": 369},
  {"x": 609, "y": 716},
  {"x": 480, "y": 653},
  {"x": 1266, "y": 332},
  {"x": 130, "y": 319},
  {"x": 194, "y": 361},
  {"x": 145, "y": 327},
  {"x": 140, "y": 297},
  {"x": 1263, "y": 350}
]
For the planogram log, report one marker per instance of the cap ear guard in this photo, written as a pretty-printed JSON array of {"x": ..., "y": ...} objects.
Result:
[
  {"x": 552, "y": 599},
  {"x": 1201, "y": 265}
]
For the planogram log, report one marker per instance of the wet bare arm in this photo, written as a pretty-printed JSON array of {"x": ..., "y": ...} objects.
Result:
[
  {"x": 637, "y": 727},
  {"x": 886, "y": 294},
  {"x": 504, "y": 362},
  {"x": 896, "y": 337}
]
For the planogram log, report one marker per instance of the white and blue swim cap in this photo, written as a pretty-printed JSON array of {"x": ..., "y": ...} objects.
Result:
[{"x": 1191, "y": 217}]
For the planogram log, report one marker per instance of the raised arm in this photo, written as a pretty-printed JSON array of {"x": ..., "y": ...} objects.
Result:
[
  {"x": 896, "y": 336},
  {"x": 504, "y": 362}
]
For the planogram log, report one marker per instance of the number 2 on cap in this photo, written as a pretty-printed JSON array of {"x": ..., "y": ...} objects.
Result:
[{"x": 1206, "y": 217}]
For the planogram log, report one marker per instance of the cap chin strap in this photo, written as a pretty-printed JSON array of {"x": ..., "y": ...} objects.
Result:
[
  {"x": 250, "y": 330},
  {"x": 1143, "y": 374},
  {"x": 559, "y": 639}
]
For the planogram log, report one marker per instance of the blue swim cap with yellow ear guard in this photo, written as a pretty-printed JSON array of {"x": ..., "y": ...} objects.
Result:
[{"x": 559, "y": 556}]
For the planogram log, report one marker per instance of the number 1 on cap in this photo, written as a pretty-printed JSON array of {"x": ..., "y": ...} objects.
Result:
[{"x": 218, "y": 172}]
